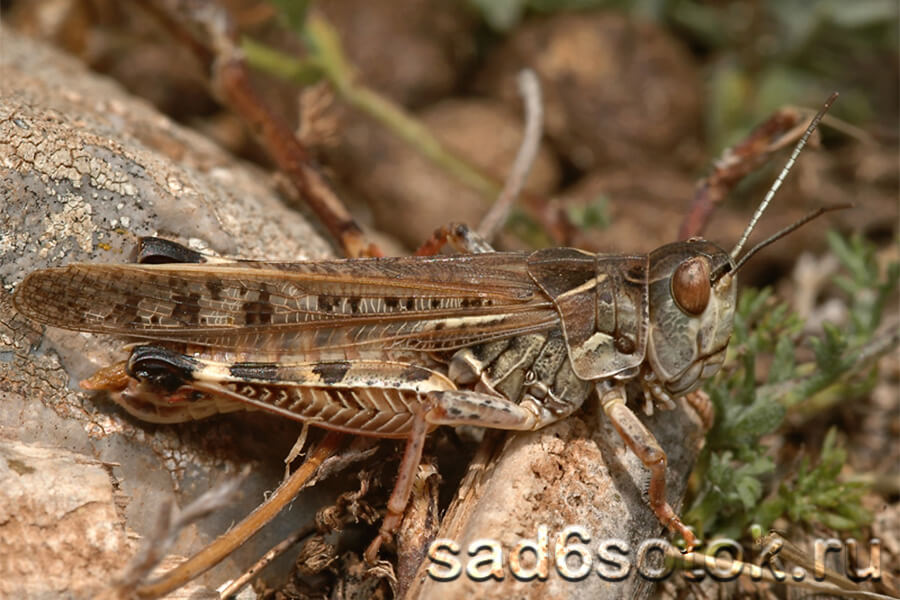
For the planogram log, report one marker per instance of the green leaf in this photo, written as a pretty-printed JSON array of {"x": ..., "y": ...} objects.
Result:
[
  {"x": 292, "y": 13},
  {"x": 758, "y": 419},
  {"x": 749, "y": 491},
  {"x": 783, "y": 364},
  {"x": 817, "y": 496},
  {"x": 593, "y": 214},
  {"x": 829, "y": 349}
]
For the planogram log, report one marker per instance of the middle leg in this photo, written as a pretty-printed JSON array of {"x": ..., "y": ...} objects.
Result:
[
  {"x": 459, "y": 236},
  {"x": 455, "y": 407}
]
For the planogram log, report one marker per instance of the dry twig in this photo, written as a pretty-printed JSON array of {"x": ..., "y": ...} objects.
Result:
[{"x": 493, "y": 221}]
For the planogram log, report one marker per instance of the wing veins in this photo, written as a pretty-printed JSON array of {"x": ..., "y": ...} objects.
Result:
[{"x": 48, "y": 297}]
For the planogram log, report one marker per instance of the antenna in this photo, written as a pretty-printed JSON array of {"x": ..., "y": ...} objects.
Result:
[
  {"x": 787, "y": 167},
  {"x": 777, "y": 236}
]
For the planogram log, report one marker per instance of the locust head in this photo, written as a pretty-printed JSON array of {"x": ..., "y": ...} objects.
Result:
[
  {"x": 692, "y": 288},
  {"x": 692, "y": 299}
]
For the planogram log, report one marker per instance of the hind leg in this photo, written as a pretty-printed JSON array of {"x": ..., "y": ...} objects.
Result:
[{"x": 454, "y": 407}]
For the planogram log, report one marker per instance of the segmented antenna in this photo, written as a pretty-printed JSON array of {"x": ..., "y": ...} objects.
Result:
[
  {"x": 777, "y": 236},
  {"x": 787, "y": 167}
]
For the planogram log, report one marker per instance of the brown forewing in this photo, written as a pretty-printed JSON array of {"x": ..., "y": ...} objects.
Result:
[{"x": 429, "y": 303}]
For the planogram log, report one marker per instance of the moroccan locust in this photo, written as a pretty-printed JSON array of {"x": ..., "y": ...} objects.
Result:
[{"x": 395, "y": 347}]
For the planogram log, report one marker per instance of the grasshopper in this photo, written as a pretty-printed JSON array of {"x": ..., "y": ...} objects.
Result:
[{"x": 395, "y": 347}]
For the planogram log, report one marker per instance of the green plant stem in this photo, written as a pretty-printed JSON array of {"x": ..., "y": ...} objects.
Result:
[
  {"x": 278, "y": 64},
  {"x": 328, "y": 61}
]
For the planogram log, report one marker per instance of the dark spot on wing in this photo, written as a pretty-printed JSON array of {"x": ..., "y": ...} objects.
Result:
[
  {"x": 332, "y": 372},
  {"x": 258, "y": 312},
  {"x": 187, "y": 308},
  {"x": 410, "y": 303},
  {"x": 215, "y": 289},
  {"x": 354, "y": 303},
  {"x": 325, "y": 303},
  {"x": 392, "y": 302},
  {"x": 129, "y": 306}
]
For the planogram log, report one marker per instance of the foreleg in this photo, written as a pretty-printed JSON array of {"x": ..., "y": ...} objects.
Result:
[{"x": 644, "y": 445}]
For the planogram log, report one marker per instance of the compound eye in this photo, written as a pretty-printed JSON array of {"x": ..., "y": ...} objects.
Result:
[{"x": 690, "y": 285}]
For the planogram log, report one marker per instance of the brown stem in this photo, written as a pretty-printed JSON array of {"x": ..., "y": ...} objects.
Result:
[
  {"x": 736, "y": 163},
  {"x": 216, "y": 47},
  {"x": 228, "y": 542}
]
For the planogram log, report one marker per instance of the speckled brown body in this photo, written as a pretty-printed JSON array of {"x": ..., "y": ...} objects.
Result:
[{"x": 393, "y": 347}]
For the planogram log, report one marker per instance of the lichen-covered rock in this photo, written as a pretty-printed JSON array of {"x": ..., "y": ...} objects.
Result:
[{"x": 85, "y": 169}]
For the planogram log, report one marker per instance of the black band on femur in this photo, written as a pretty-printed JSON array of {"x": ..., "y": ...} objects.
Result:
[
  {"x": 160, "y": 367},
  {"x": 157, "y": 251}
]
